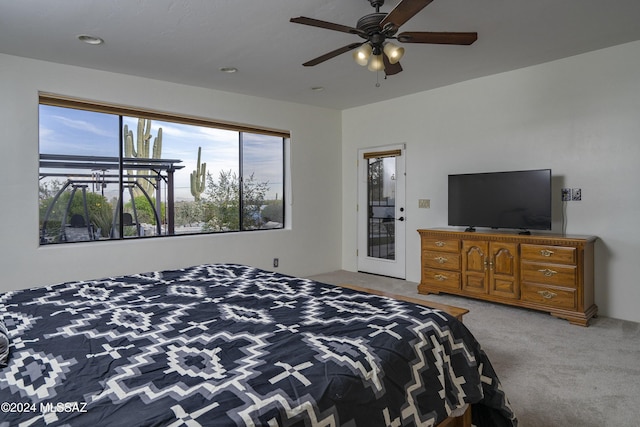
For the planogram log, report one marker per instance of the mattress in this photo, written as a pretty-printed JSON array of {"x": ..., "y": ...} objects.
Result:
[{"x": 233, "y": 345}]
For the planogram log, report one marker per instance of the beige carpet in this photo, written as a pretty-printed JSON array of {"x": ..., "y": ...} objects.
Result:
[{"x": 554, "y": 373}]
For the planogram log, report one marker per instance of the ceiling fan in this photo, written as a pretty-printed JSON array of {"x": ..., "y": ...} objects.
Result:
[{"x": 377, "y": 28}]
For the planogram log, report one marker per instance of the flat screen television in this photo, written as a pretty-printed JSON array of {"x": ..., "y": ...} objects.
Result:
[{"x": 514, "y": 199}]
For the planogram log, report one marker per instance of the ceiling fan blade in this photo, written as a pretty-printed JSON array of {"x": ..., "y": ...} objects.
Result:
[
  {"x": 437, "y": 37},
  {"x": 327, "y": 25},
  {"x": 389, "y": 68},
  {"x": 332, "y": 54},
  {"x": 404, "y": 11}
]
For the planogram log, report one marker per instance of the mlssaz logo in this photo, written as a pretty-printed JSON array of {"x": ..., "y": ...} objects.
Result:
[{"x": 63, "y": 407}]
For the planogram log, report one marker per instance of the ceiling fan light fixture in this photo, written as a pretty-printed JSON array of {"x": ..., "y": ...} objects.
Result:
[
  {"x": 362, "y": 54},
  {"x": 376, "y": 63},
  {"x": 393, "y": 52},
  {"x": 376, "y": 28}
]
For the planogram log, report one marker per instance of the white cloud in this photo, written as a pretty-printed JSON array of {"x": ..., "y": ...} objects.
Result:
[{"x": 82, "y": 125}]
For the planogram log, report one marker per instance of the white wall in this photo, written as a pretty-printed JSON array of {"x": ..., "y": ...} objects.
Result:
[
  {"x": 311, "y": 246},
  {"x": 579, "y": 116}
]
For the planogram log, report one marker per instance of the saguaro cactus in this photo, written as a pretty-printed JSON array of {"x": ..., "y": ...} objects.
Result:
[
  {"x": 198, "y": 178},
  {"x": 142, "y": 149}
]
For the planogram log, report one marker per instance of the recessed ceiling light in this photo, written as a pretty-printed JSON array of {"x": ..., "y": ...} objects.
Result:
[
  {"x": 90, "y": 39},
  {"x": 229, "y": 70},
  {"x": 317, "y": 88}
]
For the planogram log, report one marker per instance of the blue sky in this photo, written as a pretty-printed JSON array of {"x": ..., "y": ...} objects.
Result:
[{"x": 78, "y": 132}]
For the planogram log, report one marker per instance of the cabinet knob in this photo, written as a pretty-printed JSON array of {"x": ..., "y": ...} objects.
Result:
[
  {"x": 440, "y": 243},
  {"x": 440, "y": 277},
  {"x": 547, "y": 294},
  {"x": 547, "y": 272},
  {"x": 441, "y": 259},
  {"x": 546, "y": 252}
]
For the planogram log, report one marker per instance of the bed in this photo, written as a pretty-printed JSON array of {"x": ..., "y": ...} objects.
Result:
[{"x": 232, "y": 345}]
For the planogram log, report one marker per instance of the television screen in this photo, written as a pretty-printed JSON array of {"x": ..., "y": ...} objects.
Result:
[{"x": 516, "y": 199}]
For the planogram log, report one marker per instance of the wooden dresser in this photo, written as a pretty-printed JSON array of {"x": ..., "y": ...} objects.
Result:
[{"x": 545, "y": 272}]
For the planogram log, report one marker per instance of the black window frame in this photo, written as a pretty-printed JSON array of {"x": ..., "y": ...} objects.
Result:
[{"x": 123, "y": 111}]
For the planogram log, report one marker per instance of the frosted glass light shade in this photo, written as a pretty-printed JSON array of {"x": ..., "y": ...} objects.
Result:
[
  {"x": 393, "y": 52},
  {"x": 362, "y": 54},
  {"x": 376, "y": 63}
]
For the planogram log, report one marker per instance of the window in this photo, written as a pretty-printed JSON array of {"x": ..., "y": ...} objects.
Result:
[{"x": 110, "y": 172}]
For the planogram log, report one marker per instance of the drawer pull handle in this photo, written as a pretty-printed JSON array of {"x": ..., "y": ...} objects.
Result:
[
  {"x": 547, "y": 294},
  {"x": 440, "y": 277},
  {"x": 547, "y": 272},
  {"x": 546, "y": 252},
  {"x": 440, "y": 243},
  {"x": 441, "y": 259}
]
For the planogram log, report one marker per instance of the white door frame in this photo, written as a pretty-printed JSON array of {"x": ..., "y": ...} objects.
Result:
[{"x": 388, "y": 267}]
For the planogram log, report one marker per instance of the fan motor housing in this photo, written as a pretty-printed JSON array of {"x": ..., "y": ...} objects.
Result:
[{"x": 370, "y": 24}]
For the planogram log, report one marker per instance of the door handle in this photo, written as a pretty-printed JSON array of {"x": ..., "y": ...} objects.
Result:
[{"x": 401, "y": 218}]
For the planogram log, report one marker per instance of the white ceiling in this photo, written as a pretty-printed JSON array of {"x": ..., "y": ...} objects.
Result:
[{"x": 188, "y": 41}]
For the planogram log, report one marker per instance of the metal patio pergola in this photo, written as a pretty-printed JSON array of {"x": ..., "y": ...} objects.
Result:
[{"x": 113, "y": 170}]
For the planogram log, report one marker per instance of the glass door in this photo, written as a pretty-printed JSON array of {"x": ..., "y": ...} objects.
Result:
[{"x": 381, "y": 213}]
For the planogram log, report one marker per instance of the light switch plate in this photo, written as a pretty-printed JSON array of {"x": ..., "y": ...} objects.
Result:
[{"x": 424, "y": 203}]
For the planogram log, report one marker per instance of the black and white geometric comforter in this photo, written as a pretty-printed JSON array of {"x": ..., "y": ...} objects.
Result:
[{"x": 231, "y": 345}]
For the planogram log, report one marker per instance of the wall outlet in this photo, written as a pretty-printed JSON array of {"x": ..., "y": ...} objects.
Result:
[
  {"x": 576, "y": 194},
  {"x": 424, "y": 203},
  {"x": 566, "y": 194},
  {"x": 276, "y": 262}
]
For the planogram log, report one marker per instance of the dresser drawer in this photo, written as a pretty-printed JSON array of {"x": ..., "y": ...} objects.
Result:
[
  {"x": 445, "y": 260},
  {"x": 549, "y": 296},
  {"x": 548, "y": 253},
  {"x": 553, "y": 274},
  {"x": 441, "y": 278},
  {"x": 440, "y": 245}
]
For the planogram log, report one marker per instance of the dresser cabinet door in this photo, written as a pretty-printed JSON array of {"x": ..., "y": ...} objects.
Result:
[
  {"x": 504, "y": 270},
  {"x": 475, "y": 263}
]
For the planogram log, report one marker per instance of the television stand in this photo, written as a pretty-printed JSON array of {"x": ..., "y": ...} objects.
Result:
[
  {"x": 552, "y": 273},
  {"x": 524, "y": 233},
  {"x": 470, "y": 229}
]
